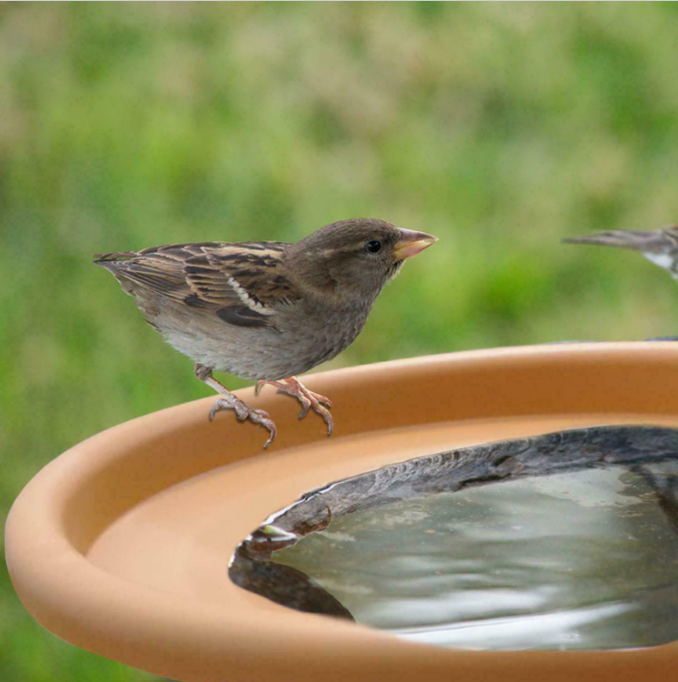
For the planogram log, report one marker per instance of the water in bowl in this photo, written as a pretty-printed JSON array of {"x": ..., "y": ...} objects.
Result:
[{"x": 580, "y": 560}]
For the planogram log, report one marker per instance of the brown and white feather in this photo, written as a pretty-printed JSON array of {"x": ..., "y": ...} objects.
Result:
[{"x": 220, "y": 277}]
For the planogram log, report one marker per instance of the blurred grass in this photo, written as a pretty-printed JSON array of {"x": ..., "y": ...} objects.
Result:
[{"x": 499, "y": 127}]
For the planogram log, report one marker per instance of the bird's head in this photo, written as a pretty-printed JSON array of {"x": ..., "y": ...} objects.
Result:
[{"x": 355, "y": 257}]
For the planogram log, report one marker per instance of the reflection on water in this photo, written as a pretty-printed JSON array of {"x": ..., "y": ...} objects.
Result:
[{"x": 578, "y": 560}]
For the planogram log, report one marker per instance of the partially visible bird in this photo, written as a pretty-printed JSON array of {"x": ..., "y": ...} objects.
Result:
[
  {"x": 266, "y": 311},
  {"x": 658, "y": 246}
]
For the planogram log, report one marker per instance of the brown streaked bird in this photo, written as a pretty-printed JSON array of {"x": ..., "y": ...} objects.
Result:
[
  {"x": 266, "y": 311},
  {"x": 658, "y": 246}
]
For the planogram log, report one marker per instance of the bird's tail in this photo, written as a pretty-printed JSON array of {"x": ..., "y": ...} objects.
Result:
[
  {"x": 637, "y": 240},
  {"x": 100, "y": 258}
]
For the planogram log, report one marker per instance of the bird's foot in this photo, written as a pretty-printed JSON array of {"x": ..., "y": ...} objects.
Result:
[
  {"x": 308, "y": 399},
  {"x": 228, "y": 401},
  {"x": 243, "y": 412}
]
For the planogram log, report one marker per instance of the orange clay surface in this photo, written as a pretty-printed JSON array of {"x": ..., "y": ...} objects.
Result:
[{"x": 121, "y": 544}]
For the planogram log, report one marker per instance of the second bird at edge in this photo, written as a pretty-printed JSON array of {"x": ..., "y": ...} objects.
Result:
[{"x": 658, "y": 246}]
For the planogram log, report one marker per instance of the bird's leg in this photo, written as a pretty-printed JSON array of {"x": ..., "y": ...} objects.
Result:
[
  {"x": 308, "y": 399},
  {"x": 229, "y": 401}
]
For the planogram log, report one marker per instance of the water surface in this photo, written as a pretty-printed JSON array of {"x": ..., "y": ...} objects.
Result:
[{"x": 579, "y": 560}]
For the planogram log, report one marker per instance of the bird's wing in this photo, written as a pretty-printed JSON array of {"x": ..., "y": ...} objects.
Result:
[
  {"x": 243, "y": 284},
  {"x": 652, "y": 242},
  {"x": 636, "y": 240},
  {"x": 671, "y": 234}
]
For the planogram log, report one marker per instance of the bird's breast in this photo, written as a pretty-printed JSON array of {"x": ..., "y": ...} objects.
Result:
[{"x": 320, "y": 333}]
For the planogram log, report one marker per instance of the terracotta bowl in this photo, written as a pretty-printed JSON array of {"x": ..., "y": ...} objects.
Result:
[{"x": 120, "y": 545}]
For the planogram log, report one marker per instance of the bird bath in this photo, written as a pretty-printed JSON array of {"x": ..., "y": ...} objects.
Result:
[{"x": 121, "y": 545}]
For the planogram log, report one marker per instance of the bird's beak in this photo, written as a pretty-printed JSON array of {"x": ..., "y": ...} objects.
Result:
[{"x": 411, "y": 243}]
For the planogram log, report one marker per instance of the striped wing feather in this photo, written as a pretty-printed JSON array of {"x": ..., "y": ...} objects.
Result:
[{"x": 241, "y": 283}]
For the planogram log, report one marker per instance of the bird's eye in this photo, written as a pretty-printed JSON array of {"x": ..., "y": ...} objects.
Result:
[{"x": 373, "y": 246}]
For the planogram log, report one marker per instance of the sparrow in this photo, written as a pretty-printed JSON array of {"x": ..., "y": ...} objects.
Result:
[
  {"x": 266, "y": 311},
  {"x": 658, "y": 246}
]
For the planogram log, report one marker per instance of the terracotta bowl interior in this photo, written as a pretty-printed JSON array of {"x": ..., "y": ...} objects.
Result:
[{"x": 120, "y": 545}]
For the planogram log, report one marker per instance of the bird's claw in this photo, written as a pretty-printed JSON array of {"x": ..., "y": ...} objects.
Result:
[
  {"x": 220, "y": 404},
  {"x": 317, "y": 398},
  {"x": 242, "y": 412},
  {"x": 308, "y": 399}
]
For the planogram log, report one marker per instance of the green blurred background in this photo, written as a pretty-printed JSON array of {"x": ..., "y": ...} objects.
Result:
[{"x": 498, "y": 127}]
